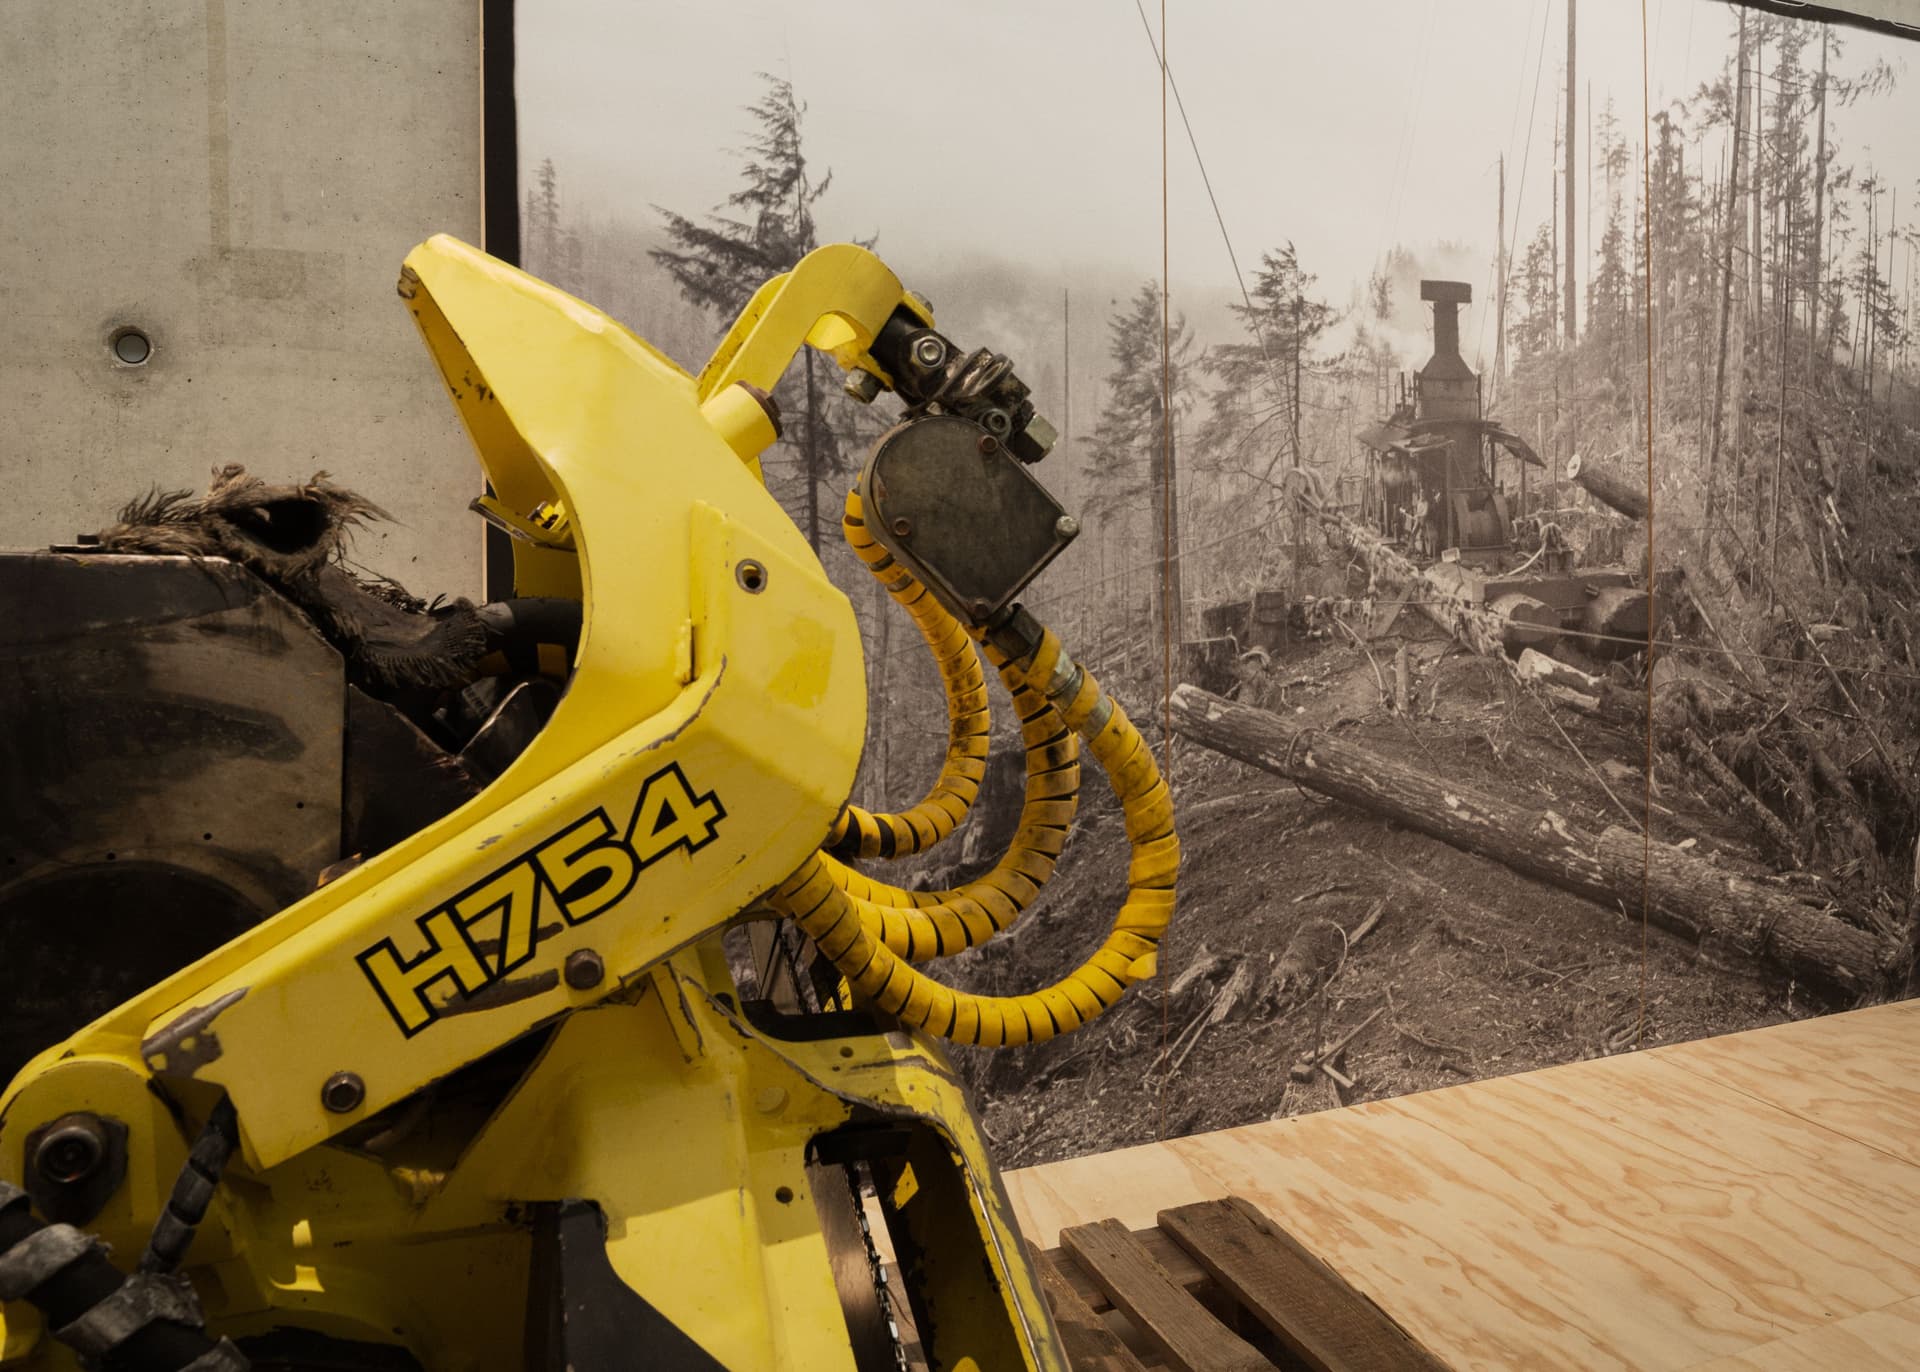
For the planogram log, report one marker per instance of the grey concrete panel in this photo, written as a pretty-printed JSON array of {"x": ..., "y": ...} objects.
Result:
[{"x": 240, "y": 181}]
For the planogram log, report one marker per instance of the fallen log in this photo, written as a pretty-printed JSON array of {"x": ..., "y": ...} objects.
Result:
[
  {"x": 1583, "y": 691},
  {"x": 1770, "y": 825},
  {"x": 1614, "y": 869},
  {"x": 1443, "y": 596},
  {"x": 1607, "y": 488}
]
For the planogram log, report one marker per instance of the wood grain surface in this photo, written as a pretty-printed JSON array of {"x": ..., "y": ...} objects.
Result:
[
  {"x": 1322, "y": 1321},
  {"x": 1744, "y": 1202},
  {"x": 1184, "y": 1332},
  {"x": 1090, "y": 1345}
]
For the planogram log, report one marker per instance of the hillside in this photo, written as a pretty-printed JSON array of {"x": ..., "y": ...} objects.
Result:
[{"x": 1471, "y": 970}]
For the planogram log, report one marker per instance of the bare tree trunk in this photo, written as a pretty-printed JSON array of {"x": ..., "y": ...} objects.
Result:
[
  {"x": 1731, "y": 230},
  {"x": 1814, "y": 263},
  {"x": 1500, "y": 300},
  {"x": 1780, "y": 438},
  {"x": 1572, "y": 112},
  {"x": 1893, "y": 226},
  {"x": 1748, "y": 318},
  {"x": 1756, "y": 278},
  {"x": 1615, "y": 869},
  {"x": 1860, "y": 334}
]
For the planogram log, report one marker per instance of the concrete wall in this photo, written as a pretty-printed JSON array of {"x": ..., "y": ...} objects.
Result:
[{"x": 240, "y": 181}]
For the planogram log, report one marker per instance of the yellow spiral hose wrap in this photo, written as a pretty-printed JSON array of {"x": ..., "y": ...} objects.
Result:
[
  {"x": 919, "y": 925},
  {"x": 851, "y": 939},
  {"x": 863, "y": 834}
]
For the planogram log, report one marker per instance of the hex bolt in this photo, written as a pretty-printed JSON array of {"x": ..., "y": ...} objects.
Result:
[
  {"x": 980, "y": 609},
  {"x": 862, "y": 386},
  {"x": 343, "y": 1093},
  {"x": 989, "y": 445},
  {"x": 903, "y": 527},
  {"x": 584, "y": 969},
  {"x": 929, "y": 351},
  {"x": 72, "y": 1150},
  {"x": 1066, "y": 526}
]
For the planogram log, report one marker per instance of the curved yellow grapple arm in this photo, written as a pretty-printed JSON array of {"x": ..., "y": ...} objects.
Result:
[{"x": 708, "y": 738}]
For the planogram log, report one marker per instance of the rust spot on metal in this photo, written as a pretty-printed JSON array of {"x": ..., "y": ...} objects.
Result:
[
  {"x": 187, "y": 1043},
  {"x": 501, "y": 993}
]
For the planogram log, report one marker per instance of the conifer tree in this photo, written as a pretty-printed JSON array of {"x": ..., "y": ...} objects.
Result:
[
  {"x": 1260, "y": 404},
  {"x": 763, "y": 229},
  {"x": 1126, "y": 457}
]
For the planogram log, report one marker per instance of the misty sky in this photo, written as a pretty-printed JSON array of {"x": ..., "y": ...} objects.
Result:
[{"x": 1031, "y": 131}]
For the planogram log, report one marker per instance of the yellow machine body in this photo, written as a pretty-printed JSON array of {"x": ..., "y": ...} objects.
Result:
[{"x": 706, "y": 743}]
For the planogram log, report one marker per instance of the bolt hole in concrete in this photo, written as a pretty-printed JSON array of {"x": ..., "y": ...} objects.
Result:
[{"x": 131, "y": 346}]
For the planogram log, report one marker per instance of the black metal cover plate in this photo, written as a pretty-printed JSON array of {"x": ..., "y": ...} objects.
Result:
[{"x": 952, "y": 505}]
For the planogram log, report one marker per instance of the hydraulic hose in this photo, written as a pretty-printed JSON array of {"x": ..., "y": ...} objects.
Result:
[
  {"x": 919, "y": 925},
  {"x": 148, "y": 1322},
  {"x": 830, "y": 917},
  {"x": 862, "y": 833}
]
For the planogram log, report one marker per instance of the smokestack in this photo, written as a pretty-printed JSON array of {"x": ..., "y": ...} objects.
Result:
[
  {"x": 1448, "y": 388},
  {"x": 1446, "y": 297}
]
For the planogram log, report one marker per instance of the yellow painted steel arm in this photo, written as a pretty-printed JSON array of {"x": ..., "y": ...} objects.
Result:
[
  {"x": 836, "y": 299},
  {"x": 707, "y": 741},
  {"x": 705, "y": 745}
]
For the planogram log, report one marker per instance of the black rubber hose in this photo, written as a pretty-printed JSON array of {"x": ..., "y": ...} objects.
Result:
[{"x": 159, "y": 1346}]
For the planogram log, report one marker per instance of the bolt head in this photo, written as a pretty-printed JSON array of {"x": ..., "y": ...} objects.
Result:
[
  {"x": 1039, "y": 437},
  {"x": 903, "y": 527},
  {"x": 584, "y": 969},
  {"x": 343, "y": 1093},
  {"x": 989, "y": 445},
  {"x": 1066, "y": 526},
  {"x": 929, "y": 351},
  {"x": 72, "y": 1150},
  {"x": 862, "y": 386}
]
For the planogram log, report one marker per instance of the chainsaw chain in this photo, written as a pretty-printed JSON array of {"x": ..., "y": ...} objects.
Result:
[{"x": 882, "y": 1288}]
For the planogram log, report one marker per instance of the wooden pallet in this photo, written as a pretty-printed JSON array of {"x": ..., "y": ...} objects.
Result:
[{"x": 1214, "y": 1287}]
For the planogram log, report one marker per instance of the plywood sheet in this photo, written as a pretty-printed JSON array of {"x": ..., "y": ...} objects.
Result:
[
  {"x": 1856, "y": 1074},
  {"x": 1648, "y": 1211},
  {"x": 1886, "y": 1340}
]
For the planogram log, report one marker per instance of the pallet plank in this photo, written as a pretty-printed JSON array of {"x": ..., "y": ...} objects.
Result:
[
  {"x": 1090, "y": 1345},
  {"x": 1167, "y": 1255},
  {"x": 1190, "y": 1338},
  {"x": 1308, "y": 1306}
]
